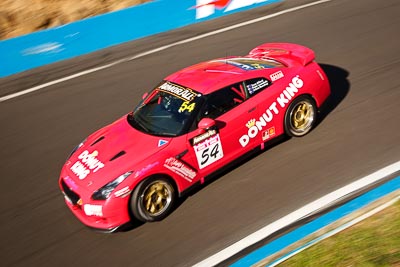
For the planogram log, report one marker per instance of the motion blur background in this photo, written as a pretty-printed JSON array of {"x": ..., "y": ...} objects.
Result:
[
  {"x": 355, "y": 41},
  {"x": 18, "y": 17}
]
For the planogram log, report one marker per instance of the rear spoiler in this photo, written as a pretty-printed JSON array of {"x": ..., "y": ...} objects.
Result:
[{"x": 296, "y": 52}]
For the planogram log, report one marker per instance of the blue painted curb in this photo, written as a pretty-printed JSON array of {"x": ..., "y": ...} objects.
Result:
[
  {"x": 313, "y": 226},
  {"x": 92, "y": 34}
]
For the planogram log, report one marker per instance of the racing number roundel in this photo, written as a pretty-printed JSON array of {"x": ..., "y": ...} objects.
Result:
[{"x": 208, "y": 151}]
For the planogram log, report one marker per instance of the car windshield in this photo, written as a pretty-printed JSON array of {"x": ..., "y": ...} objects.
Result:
[{"x": 168, "y": 110}]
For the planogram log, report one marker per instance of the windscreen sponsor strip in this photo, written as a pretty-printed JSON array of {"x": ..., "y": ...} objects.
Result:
[{"x": 186, "y": 94}]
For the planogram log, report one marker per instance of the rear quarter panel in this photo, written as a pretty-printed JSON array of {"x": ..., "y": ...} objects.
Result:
[{"x": 274, "y": 101}]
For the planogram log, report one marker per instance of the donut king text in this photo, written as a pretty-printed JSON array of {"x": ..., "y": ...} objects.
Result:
[
  {"x": 255, "y": 126},
  {"x": 88, "y": 162}
]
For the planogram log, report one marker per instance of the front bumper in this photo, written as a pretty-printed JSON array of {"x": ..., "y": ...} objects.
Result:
[{"x": 106, "y": 216}]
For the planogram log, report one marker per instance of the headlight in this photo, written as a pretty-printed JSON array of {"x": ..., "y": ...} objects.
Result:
[
  {"x": 76, "y": 148},
  {"x": 104, "y": 192}
]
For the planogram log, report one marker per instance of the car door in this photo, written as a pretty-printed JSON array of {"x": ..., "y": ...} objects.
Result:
[
  {"x": 219, "y": 145},
  {"x": 261, "y": 126}
]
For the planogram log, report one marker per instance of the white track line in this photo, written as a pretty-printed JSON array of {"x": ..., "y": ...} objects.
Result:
[
  {"x": 298, "y": 215},
  {"x": 82, "y": 73}
]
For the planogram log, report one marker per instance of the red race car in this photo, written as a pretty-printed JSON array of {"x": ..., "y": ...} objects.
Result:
[{"x": 192, "y": 124}]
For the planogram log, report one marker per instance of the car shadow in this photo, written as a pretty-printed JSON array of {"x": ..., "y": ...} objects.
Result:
[{"x": 340, "y": 87}]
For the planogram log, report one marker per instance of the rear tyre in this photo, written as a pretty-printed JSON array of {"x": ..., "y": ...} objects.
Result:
[
  {"x": 153, "y": 199},
  {"x": 301, "y": 116}
]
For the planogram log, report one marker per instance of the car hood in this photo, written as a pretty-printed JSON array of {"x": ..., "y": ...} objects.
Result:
[{"x": 111, "y": 152}]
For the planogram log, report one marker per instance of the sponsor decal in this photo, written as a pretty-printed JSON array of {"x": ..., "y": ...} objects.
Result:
[
  {"x": 93, "y": 210},
  {"x": 269, "y": 133},
  {"x": 248, "y": 63},
  {"x": 205, "y": 8},
  {"x": 162, "y": 142},
  {"x": 259, "y": 84},
  {"x": 255, "y": 126},
  {"x": 276, "y": 76},
  {"x": 145, "y": 169},
  {"x": 71, "y": 184},
  {"x": 180, "y": 168},
  {"x": 208, "y": 151},
  {"x": 202, "y": 137},
  {"x": 178, "y": 91},
  {"x": 123, "y": 192},
  {"x": 86, "y": 163}
]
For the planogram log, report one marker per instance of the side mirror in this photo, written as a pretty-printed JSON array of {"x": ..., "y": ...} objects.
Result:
[
  {"x": 145, "y": 95},
  {"x": 206, "y": 123}
]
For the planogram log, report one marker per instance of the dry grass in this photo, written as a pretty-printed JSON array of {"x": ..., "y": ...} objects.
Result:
[
  {"x": 18, "y": 17},
  {"x": 373, "y": 242}
]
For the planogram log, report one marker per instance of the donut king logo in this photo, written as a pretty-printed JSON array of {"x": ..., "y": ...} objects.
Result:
[
  {"x": 86, "y": 163},
  {"x": 256, "y": 126}
]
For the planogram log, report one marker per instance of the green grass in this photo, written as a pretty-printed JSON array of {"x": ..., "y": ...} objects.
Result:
[{"x": 372, "y": 242}]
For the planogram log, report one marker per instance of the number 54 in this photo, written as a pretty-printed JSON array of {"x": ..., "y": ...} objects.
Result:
[{"x": 185, "y": 106}]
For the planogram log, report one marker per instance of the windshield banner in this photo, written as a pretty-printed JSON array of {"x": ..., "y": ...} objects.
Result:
[{"x": 186, "y": 94}]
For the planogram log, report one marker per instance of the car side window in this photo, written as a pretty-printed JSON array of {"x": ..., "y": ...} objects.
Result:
[
  {"x": 223, "y": 100},
  {"x": 256, "y": 85}
]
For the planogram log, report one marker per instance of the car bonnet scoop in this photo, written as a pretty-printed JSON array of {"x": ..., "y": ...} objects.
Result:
[{"x": 119, "y": 154}]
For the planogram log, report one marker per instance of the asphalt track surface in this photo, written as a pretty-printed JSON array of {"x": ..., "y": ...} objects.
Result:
[{"x": 357, "y": 42}]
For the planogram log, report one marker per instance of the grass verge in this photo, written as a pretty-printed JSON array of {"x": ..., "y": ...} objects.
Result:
[{"x": 372, "y": 242}]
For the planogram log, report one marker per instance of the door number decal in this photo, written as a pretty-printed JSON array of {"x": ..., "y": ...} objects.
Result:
[{"x": 209, "y": 151}]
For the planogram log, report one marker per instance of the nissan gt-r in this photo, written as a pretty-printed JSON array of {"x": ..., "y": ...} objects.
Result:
[{"x": 192, "y": 124}]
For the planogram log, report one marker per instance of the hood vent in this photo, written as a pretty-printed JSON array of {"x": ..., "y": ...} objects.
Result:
[
  {"x": 118, "y": 155},
  {"x": 98, "y": 140}
]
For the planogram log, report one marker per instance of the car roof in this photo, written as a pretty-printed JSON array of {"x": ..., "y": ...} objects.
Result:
[{"x": 209, "y": 76}]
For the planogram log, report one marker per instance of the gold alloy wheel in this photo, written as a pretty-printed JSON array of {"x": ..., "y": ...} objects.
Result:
[
  {"x": 157, "y": 197},
  {"x": 302, "y": 116}
]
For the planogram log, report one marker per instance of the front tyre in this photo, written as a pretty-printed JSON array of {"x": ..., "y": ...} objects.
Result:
[
  {"x": 153, "y": 199},
  {"x": 301, "y": 116}
]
